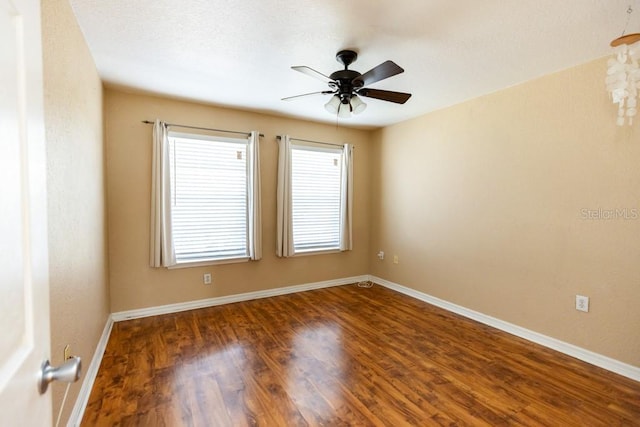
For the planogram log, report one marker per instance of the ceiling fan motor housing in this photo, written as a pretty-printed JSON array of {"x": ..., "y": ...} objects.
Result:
[{"x": 346, "y": 83}]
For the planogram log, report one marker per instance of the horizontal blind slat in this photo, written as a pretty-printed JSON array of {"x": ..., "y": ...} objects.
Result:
[
  {"x": 209, "y": 199},
  {"x": 315, "y": 189}
]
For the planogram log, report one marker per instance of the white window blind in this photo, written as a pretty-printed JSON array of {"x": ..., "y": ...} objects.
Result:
[
  {"x": 208, "y": 197},
  {"x": 315, "y": 198}
]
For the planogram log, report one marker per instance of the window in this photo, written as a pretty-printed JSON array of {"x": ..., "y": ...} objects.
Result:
[
  {"x": 314, "y": 197},
  {"x": 205, "y": 199},
  {"x": 209, "y": 215}
]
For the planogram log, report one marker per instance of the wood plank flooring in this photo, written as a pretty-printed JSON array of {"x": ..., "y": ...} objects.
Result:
[{"x": 344, "y": 356}]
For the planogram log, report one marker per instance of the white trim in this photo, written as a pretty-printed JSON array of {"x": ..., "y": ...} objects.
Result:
[
  {"x": 209, "y": 302},
  {"x": 588, "y": 356},
  {"x": 596, "y": 359},
  {"x": 90, "y": 376},
  {"x": 218, "y": 261}
]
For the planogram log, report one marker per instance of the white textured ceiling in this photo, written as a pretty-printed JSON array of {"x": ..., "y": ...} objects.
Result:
[{"x": 239, "y": 53}]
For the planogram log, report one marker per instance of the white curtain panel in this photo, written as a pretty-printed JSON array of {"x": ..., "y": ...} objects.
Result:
[
  {"x": 162, "y": 252},
  {"x": 346, "y": 203},
  {"x": 284, "y": 229},
  {"x": 255, "y": 199}
]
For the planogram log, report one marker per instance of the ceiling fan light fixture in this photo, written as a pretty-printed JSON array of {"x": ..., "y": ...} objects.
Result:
[
  {"x": 333, "y": 105},
  {"x": 357, "y": 105},
  {"x": 344, "y": 111}
]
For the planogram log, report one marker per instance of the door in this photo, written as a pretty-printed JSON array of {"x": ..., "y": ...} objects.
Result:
[{"x": 24, "y": 285}]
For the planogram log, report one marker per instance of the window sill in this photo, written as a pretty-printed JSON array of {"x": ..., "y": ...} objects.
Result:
[
  {"x": 318, "y": 252},
  {"x": 209, "y": 262}
]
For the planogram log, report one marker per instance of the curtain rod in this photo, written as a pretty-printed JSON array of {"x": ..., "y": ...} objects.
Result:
[
  {"x": 313, "y": 142},
  {"x": 200, "y": 128}
]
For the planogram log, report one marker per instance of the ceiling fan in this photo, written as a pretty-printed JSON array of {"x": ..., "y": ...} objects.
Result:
[{"x": 347, "y": 85}]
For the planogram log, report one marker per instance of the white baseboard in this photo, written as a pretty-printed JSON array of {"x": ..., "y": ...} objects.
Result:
[
  {"x": 588, "y": 356},
  {"x": 210, "y": 302},
  {"x": 90, "y": 376},
  {"x": 596, "y": 359}
]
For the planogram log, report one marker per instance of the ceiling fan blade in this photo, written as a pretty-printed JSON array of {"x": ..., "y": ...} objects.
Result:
[
  {"x": 381, "y": 72},
  {"x": 311, "y": 72},
  {"x": 324, "y": 92},
  {"x": 385, "y": 95}
]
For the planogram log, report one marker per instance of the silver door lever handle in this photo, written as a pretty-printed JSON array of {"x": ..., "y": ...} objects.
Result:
[{"x": 68, "y": 372}]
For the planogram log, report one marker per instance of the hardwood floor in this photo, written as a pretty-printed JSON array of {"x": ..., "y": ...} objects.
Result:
[{"x": 344, "y": 356}]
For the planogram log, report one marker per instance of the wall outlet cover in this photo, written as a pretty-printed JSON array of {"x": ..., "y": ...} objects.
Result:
[{"x": 582, "y": 303}]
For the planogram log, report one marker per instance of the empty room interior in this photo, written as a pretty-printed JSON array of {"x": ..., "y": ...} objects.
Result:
[{"x": 343, "y": 213}]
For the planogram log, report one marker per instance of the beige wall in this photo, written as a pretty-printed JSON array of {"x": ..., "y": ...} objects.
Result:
[
  {"x": 483, "y": 203},
  {"x": 79, "y": 295},
  {"x": 133, "y": 283}
]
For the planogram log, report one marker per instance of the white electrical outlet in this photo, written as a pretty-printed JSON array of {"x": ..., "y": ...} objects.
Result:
[
  {"x": 206, "y": 278},
  {"x": 582, "y": 303},
  {"x": 381, "y": 255}
]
